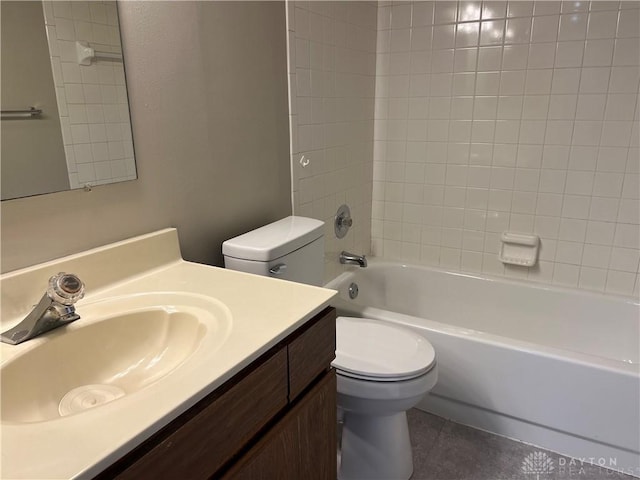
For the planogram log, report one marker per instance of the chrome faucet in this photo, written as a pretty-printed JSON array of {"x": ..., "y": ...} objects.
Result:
[
  {"x": 54, "y": 310},
  {"x": 352, "y": 259}
]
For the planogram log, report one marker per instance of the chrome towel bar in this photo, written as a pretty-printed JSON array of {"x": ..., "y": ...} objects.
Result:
[{"x": 30, "y": 113}]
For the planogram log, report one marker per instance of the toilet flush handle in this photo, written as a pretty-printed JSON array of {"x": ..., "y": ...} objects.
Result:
[{"x": 278, "y": 269}]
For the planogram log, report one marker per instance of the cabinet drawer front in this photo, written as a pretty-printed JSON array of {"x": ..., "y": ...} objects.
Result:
[
  {"x": 312, "y": 352},
  {"x": 302, "y": 446},
  {"x": 209, "y": 439}
]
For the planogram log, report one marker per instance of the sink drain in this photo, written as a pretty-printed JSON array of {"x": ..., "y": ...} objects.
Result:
[{"x": 88, "y": 396}]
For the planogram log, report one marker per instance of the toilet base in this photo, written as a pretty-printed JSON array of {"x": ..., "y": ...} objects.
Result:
[{"x": 375, "y": 447}]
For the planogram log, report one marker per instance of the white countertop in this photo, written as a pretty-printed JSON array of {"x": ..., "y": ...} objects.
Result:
[{"x": 263, "y": 311}]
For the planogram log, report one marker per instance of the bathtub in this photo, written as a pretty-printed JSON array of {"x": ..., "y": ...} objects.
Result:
[{"x": 553, "y": 367}]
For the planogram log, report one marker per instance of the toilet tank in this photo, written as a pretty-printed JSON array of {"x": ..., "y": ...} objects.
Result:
[{"x": 290, "y": 249}]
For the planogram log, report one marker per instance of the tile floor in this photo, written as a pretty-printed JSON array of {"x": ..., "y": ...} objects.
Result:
[{"x": 444, "y": 450}]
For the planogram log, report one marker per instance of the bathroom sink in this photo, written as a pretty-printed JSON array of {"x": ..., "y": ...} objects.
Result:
[
  {"x": 119, "y": 347},
  {"x": 156, "y": 335}
]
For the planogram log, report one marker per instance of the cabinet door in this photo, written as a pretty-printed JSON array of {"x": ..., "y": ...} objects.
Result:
[
  {"x": 301, "y": 446},
  {"x": 312, "y": 352}
]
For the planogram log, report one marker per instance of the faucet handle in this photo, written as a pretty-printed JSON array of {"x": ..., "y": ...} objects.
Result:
[
  {"x": 65, "y": 288},
  {"x": 343, "y": 221}
]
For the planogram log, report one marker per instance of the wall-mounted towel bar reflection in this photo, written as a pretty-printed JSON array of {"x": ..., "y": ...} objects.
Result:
[
  {"x": 30, "y": 113},
  {"x": 86, "y": 54}
]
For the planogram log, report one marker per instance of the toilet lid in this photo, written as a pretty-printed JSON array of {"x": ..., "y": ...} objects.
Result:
[{"x": 369, "y": 348}]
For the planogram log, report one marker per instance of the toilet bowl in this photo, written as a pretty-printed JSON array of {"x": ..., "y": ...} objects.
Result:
[{"x": 382, "y": 370}]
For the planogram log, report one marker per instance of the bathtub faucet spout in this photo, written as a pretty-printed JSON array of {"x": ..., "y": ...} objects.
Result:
[{"x": 352, "y": 259}]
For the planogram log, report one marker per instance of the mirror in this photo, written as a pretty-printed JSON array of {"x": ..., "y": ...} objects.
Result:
[{"x": 65, "y": 113}]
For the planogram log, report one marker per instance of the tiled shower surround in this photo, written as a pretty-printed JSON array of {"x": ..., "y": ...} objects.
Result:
[
  {"x": 509, "y": 116},
  {"x": 488, "y": 117},
  {"x": 332, "y": 63}
]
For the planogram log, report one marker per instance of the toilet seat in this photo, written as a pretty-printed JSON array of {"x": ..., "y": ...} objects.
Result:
[
  {"x": 373, "y": 378},
  {"x": 375, "y": 351}
]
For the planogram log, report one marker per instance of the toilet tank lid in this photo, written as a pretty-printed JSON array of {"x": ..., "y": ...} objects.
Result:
[{"x": 274, "y": 240}]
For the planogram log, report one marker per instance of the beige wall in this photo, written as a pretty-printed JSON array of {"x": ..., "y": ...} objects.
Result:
[
  {"x": 28, "y": 167},
  {"x": 208, "y": 90}
]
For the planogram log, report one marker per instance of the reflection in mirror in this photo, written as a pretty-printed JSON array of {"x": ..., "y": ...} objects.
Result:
[{"x": 64, "y": 59}]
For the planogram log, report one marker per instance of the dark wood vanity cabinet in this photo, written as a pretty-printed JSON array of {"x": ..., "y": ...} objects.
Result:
[{"x": 276, "y": 419}]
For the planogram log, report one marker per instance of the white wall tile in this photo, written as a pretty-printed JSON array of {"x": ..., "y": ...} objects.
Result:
[
  {"x": 591, "y": 107},
  {"x": 627, "y": 235},
  {"x": 579, "y": 183},
  {"x": 492, "y": 32},
  {"x": 569, "y": 54},
  {"x": 569, "y": 252},
  {"x": 624, "y": 79},
  {"x": 593, "y": 278},
  {"x": 616, "y": 133},
  {"x": 546, "y": 8},
  {"x": 575, "y": 206},
  {"x": 422, "y": 13},
  {"x": 620, "y": 106},
  {"x": 421, "y": 38},
  {"x": 562, "y": 107},
  {"x": 603, "y": 5},
  {"x": 596, "y": 256},
  {"x": 512, "y": 82},
  {"x": 602, "y": 24},
  {"x": 515, "y": 57},
  {"x": 541, "y": 55},
  {"x": 535, "y": 107},
  {"x": 620, "y": 283},
  {"x": 489, "y": 58},
  {"x": 608, "y": 184},
  {"x": 469, "y": 11},
  {"x": 520, "y": 8},
  {"x": 545, "y": 29},
  {"x": 565, "y": 81},
  {"x": 586, "y": 133},
  {"x": 600, "y": 233},
  {"x": 494, "y": 9},
  {"x": 603, "y": 209},
  {"x": 629, "y": 23},
  {"x": 445, "y": 12},
  {"x": 627, "y": 52},
  {"x": 535, "y": 134},
  {"x": 566, "y": 275},
  {"x": 518, "y": 30},
  {"x": 467, "y": 34},
  {"x": 624, "y": 259},
  {"x": 444, "y": 36},
  {"x": 573, "y": 26},
  {"x": 598, "y": 53},
  {"x": 574, "y": 6}
]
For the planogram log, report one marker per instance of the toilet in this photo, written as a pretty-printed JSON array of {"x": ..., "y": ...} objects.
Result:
[{"x": 382, "y": 369}]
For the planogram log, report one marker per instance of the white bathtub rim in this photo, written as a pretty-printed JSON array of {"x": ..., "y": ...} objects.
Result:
[{"x": 383, "y": 262}]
